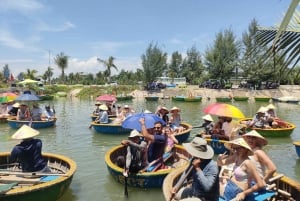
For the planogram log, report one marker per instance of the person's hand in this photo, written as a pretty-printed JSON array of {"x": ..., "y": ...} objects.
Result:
[
  {"x": 173, "y": 190},
  {"x": 240, "y": 197},
  {"x": 196, "y": 162},
  {"x": 142, "y": 121}
]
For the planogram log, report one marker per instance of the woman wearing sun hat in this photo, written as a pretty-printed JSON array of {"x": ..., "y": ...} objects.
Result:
[
  {"x": 238, "y": 186},
  {"x": 103, "y": 115},
  {"x": 205, "y": 173},
  {"x": 29, "y": 151},
  {"x": 163, "y": 112},
  {"x": 175, "y": 120},
  {"x": 264, "y": 164}
]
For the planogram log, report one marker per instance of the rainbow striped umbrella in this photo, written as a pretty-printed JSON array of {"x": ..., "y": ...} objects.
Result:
[
  {"x": 7, "y": 97},
  {"x": 224, "y": 110}
]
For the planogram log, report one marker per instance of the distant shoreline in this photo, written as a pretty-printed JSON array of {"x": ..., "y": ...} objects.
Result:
[{"x": 284, "y": 90}]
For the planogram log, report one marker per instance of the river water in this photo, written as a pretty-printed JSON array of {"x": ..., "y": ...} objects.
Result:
[{"x": 72, "y": 137}]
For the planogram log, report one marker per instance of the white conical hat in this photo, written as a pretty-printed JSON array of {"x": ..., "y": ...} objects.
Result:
[
  {"x": 25, "y": 132},
  {"x": 207, "y": 117}
]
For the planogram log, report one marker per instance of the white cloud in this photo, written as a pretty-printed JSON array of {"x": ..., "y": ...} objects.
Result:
[
  {"x": 8, "y": 40},
  {"x": 22, "y": 6},
  {"x": 42, "y": 26}
]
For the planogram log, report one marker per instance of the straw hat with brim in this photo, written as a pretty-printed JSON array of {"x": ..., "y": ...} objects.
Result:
[
  {"x": 147, "y": 112},
  {"x": 262, "y": 109},
  {"x": 199, "y": 148},
  {"x": 207, "y": 118},
  {"x": 238, "y": 142},
  {"x": 16, "y": 105},
  {"x": 25, "y": 132},
  {"x": 97, "y": 103},
  {"x": 134, "y": 133},
  {"x": 103, "y": 107},
  {"x": 259, "y": 138},
  {"x": 271, "y": 107},
  {"x": 165, "y": 109},
  {"x": 175, "y": 108}
]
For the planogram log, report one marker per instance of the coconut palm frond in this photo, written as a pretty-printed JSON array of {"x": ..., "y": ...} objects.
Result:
[{"x": 285, "y": 38}]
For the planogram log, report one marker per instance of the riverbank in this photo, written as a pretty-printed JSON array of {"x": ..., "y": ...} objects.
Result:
[{"x": 284, "y": 90}]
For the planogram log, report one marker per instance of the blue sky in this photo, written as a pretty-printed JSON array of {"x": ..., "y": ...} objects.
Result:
[{"x": 31, "y": 30}]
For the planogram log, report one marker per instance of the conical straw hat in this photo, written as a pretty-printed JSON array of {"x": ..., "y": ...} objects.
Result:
[
  {"x": 25, "y": 132},
  {"x": 238, "y": 142},
  {"x": 207, "y": 117},
  {"x": 261, "y": 140}
]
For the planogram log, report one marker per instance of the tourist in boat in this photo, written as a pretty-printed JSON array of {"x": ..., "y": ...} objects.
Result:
[
  {"x": 175, "y": 120},
  {"x": 205, "y": 173},
  {"x": 163, "y": 112},
  {"x": 227, "y": 132},
  {"x": 208, "y": 126},
  {"x": 259, "y": 120},
  {"x": 23, "y": 113},
  {"x": 14, "y": 110},
  {"x": 136, "y": 155},
  {"x": 171, "y": 140},
  {"x": 3, "y": 110},
  {"x": 128, "y": 111},
  {"x": 96, "y": 111},
  {"x": 239, "y": 186},
  {"x": 103, "y": 115},
  {"x": 29, "y": 151},
  {"x": 49, "y": 113},
  {"x": 265, "y": 166},
  {"x": 36, "y": 112},
  {"x": 157, "y": 141},
  {"x": 271, "y": 115}
]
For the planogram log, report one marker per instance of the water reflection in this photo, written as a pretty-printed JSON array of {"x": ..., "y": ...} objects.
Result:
[{"x": 73, "y": 138}]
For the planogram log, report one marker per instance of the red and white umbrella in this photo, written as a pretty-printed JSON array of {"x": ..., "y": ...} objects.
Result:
[{"x": 106, "y": 98}]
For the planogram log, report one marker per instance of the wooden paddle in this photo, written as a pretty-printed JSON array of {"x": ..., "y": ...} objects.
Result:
[
  {"x": 31, "y": 173},
  {"x": 125, "y": 182},
  {"x": 186, "y": 173}
]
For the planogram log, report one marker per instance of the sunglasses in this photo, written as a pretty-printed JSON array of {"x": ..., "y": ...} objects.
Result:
[{"x": 157, "y": 127}]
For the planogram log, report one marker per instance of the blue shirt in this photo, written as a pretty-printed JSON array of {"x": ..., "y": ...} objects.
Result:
[
  {"x": 29, "y": 154},
  {"x": 156, "y": 148}
]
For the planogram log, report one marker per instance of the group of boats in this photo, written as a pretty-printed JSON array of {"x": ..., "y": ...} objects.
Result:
[{"x": 16, "y": 185}]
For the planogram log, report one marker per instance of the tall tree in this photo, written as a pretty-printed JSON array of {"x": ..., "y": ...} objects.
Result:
[
  {"x": 192, "y": 67},
  {"x": 61, "y": 61},
  {"x": 6, "y": 72},
  {"x": 221, "y": 58},
  {"x": 48, "y": 74},
  {"x": 154, "y": 63},
  {"x": 109, "y": 64},
  {"x": 175, "y": 65},
  {"x": 31, "y": 74}
]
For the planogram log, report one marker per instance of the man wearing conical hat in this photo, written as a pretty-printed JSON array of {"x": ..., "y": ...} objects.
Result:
[
  {"x": 208, "y": 126},
  {"x": 29, "y": 151}
]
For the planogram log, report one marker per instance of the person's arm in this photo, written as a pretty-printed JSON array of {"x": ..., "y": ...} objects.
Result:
[
  {"x": 265, "y": 160},
  {"x": 224, "y": 159},
  {"x": 128, "y": 158},
  {"x": 259, "y": 183},
  {"x": 208, "y": 178},
  {"x": 174, "y": 139},
  {"x": 145, "y": 133},
  {"x": 18, "y": 114}
]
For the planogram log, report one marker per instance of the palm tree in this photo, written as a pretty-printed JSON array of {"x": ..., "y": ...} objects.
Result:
[
  {"x": 31, "y": 74},
  {"x": 48, "y": 74},
  {"x": 284, "y": 40},
  {"x": 61, "y": 61},
  {"x": 108, "y": 65}
]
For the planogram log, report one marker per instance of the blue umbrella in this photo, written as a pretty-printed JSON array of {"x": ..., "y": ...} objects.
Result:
[{"x": 132, "y": 122}]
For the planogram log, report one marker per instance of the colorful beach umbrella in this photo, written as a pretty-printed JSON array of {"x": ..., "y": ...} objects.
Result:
[
  {"x": 132, "y": 122},
  {"x": 106, "y": 98},
  {"x": 225, "y": 110},
  {"x": 7, "y": 97}
]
